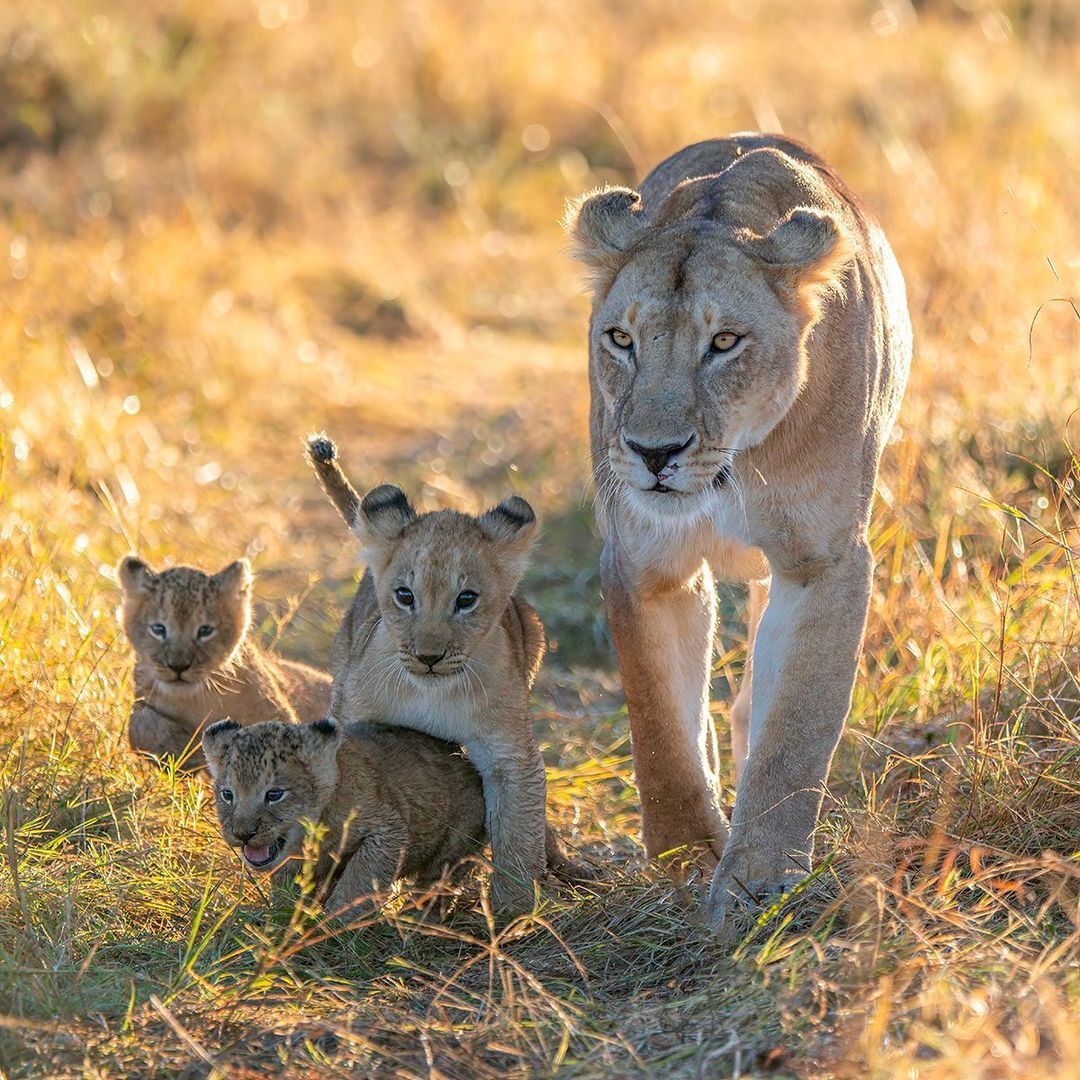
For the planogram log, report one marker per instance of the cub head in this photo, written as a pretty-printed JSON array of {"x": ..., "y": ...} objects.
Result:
[
  {"x": 269, "y": 779},
  {"x": 701, "y": 312},
  {"x": 443, "y": 579},
  {"x": 183, "y": 624}
]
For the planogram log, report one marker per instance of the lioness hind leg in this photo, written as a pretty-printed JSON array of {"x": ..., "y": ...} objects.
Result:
[
  {"x": 740, "y": 707},
  {"x": 157, "y": 736}
]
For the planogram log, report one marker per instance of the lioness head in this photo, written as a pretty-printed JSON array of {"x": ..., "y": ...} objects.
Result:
[
  {"x": 699, "y": 322},
  {"x": 269, "y": 779},
  {"x": 184, "y": 624},
  {"x": 443, "y": 579}
]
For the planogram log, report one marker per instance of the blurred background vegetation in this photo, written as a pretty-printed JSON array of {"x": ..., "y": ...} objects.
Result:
[{"x": 229, "y": 223}]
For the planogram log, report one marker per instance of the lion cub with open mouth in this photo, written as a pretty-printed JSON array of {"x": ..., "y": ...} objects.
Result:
[
  {"x": 393, "y": 803},
  {"x": 436, "y": 640},
  {"x": 194, "y": 661}
]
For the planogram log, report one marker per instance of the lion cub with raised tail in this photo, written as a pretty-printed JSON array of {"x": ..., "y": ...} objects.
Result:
[
  {"x": 436, "y": 640},
  {"x": 393, "y": 803},
  {"x": 194, "y": 661}
]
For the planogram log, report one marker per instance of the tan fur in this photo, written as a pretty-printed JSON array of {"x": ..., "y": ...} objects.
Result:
[
  {"x": 225, "y": 675},
  {"x": 485, "y": 659},
  {"x": 391, "y": 803},
  {"x": 758, "y": 464}
]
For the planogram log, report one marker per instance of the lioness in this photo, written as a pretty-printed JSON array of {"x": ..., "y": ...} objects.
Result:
[
  {"x": 194, "y": 661},
  {"x": 393, "y": 803},
  {"x": 749, "y": 349},
  {"x": 436, "y": 640}
]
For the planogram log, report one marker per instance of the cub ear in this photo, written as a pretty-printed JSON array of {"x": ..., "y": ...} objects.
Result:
[
  {"x": 134, "y": 575},
  {"x": 807, "y": 253},
  {"x": 215, "y": 741},
  {"x": 323, "y": 737},
  {"x": 235, "y": 578},
  {"x": 383, "y": 514},
  {"x": 512, "y": 523},
  {"x": 603, "y": 225}
]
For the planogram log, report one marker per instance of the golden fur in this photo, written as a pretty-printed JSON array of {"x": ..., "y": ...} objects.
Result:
[
  {"x": 749, "y": 349},
  {"x": 190, "y": 678},
  {"x": 391, "y": 803},
  {"x": 458, "y": 673}
]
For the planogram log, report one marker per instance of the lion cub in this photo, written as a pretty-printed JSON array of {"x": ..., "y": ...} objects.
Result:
[
  {"x": 195, "y": 664},
  {"x": 436, "y": 640},
  {"x": 393, "y": 803}
]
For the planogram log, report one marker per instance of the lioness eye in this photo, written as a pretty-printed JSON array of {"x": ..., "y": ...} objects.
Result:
[
  {"x": 620, "y": 338},
  {"x": 465, "y": 600},
  {"x": 725, "y": 341},
  {"x": 404, "y": 596},
  {"x": 158, "y": 630},
  {"x": 204, "y": 632},
  {"x": 226, "y": 795},
  {"x": 275, "y": 794}
]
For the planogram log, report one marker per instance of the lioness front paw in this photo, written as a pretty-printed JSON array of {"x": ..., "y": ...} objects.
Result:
[{"x": 748, "y": 884}]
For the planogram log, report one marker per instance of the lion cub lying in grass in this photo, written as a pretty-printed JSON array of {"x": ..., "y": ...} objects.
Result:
[
  {"x": 437, "y": 641},
  {"x": 195, "y": 664},
  {"x": 393, "y": 803}
]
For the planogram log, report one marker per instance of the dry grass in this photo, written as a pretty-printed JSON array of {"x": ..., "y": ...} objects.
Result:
[{"x": 229, "y": 223}]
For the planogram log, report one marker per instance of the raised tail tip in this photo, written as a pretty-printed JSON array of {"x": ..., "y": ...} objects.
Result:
[{"x": 321, "y": 448}]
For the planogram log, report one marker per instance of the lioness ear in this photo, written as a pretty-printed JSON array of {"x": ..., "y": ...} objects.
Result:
[
  {"x": 383, "y": 513},
  {"x": 512, "y": 523},
  {"x": 807, "y": 253},
  {"x": 215, "y": 742},
  {"x": 134, "y": 575},
  {"x": 235, "y": 578},
  {"x": 603, "y": 225}
]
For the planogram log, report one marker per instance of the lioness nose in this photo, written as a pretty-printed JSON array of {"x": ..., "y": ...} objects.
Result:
[
  {"x": 656, "y": 457},
  {"x": 429, "y": 660}
]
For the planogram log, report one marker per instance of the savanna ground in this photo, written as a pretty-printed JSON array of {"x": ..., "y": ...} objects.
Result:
[{"x": 229, "y": 223}]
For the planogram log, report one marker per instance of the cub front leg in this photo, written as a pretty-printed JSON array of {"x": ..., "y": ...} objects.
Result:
[
  {"x": 663, "y": 633},
  {"x": 805, "y": 657},
  {"x": 149, "y": 732},
  {"x": 373, "y": 868},
  {"x": 515, "y": 803}
]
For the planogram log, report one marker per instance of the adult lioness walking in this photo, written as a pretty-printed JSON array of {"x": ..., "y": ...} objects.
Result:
[{"x": 749, "y": 348}]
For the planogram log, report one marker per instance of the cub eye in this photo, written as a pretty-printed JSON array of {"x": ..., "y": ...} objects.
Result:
[
  {"x": 725, "y": 341},
  {"x": 404, "y": 596},
  {"x": 226, "y": 795},
  {"x": 466, "y": 599},
  {"x": 275, "y": 794},
  {"x": 204, "y": 632},
  {"x": 158, "y": 630},
  {"x": 620, "y": 338}
]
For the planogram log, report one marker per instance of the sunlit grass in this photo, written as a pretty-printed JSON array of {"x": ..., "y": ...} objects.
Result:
[{"x": 230, "y": 224}]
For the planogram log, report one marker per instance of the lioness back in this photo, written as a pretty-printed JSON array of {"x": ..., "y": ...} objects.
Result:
[{"x": 194, "y": 661}]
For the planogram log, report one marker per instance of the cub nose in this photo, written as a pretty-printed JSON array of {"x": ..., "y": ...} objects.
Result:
[
  {"x": 179, "y": 666},
  {"x": 243, "y": 836},
  {"x": 429, "y": 660},
  {"x": 657, "y": 456}
]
